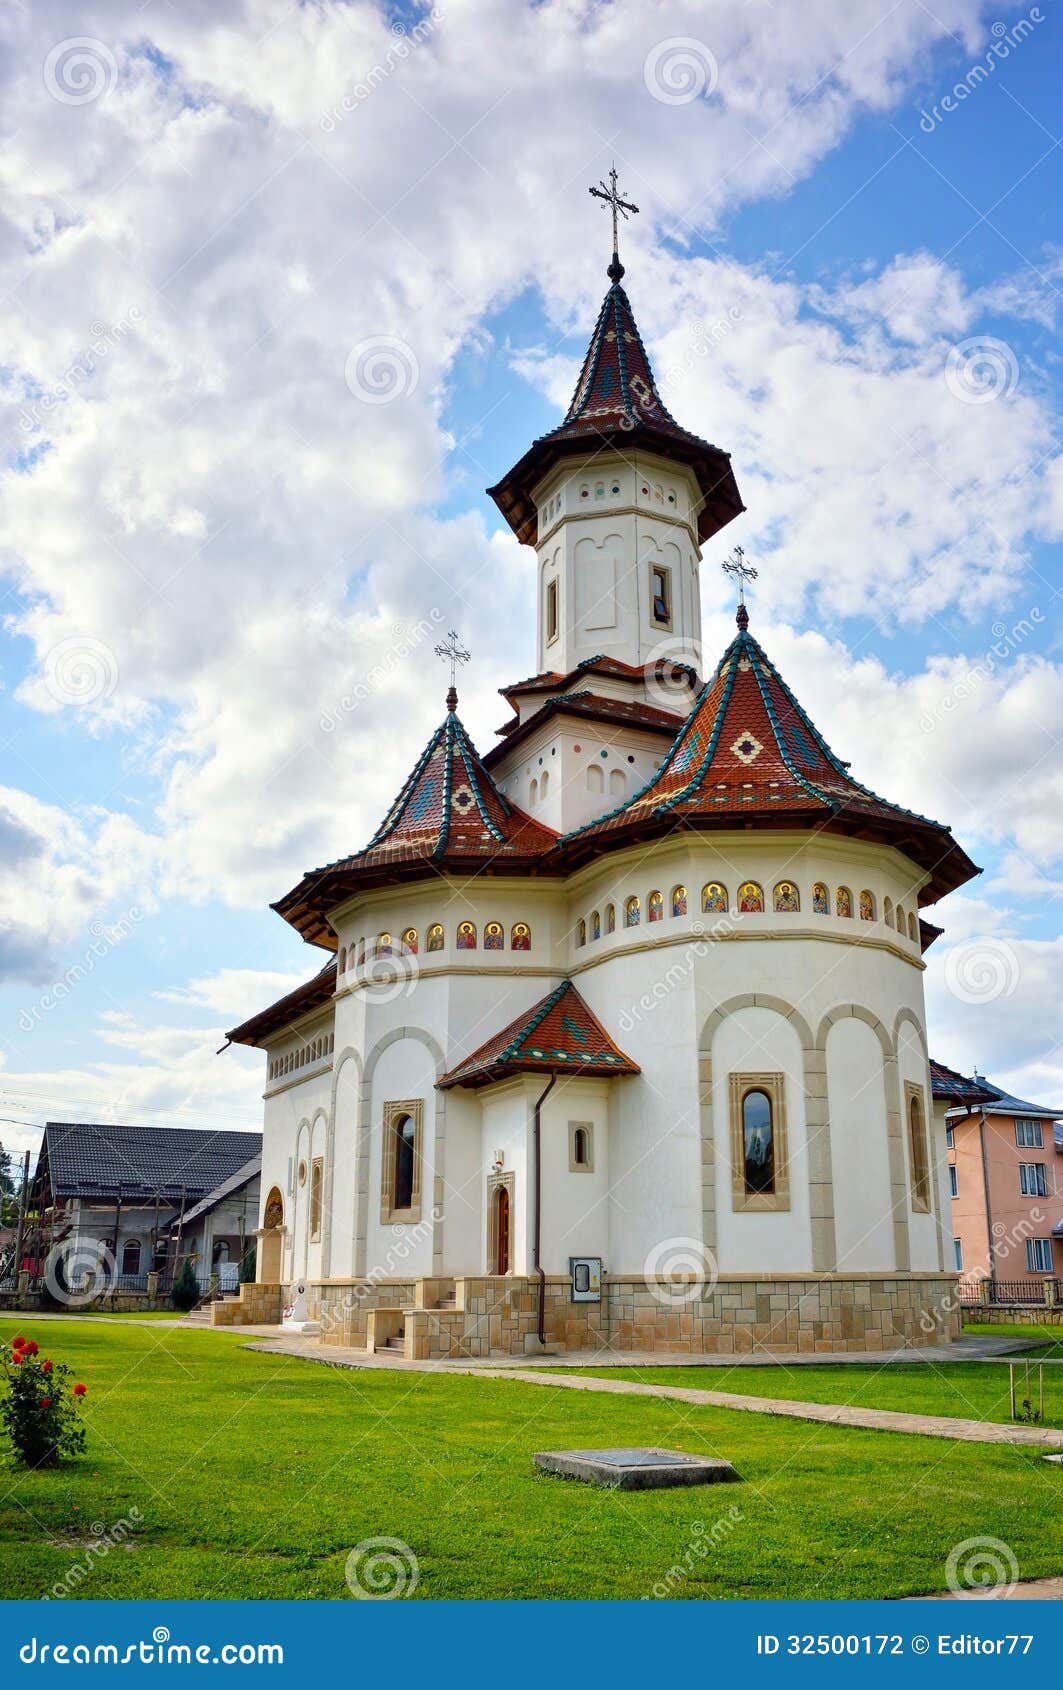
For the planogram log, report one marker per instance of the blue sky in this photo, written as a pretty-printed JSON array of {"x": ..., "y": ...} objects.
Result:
[{"x": 210, "y": 537}]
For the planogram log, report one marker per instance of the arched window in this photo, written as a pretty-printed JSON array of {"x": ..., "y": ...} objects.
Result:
[
  {"x": 494, "y": 936},
  {"x": 913, "y": 928},
  {"x": 409, "y": 942},
  {"x": 520, "y": 938},
  {"x": 679, "y": 900},
  {"x": 533, "y": 793},
  {"x": 435, "y": 937},
  {"x": 632, "y": 912},
  {"x": 843, "y": 901},
  {"x": 751, "y": 898},
  {"x": 787, "y": 898},
  {"x": 900, "y": 919},
  {"x": 655, "y": 907},
  {"x": 758, "y": 1143},
  {"x": 596, "y": 925},
  {"x": 617, "y": 783},
  {"x": 544, "y": 785},
  {"x": 581, "y": 1147},
  {"x": 361, "y": 953},
  {"x": 887, "y": 912},
  {"x": 404, "y": 1136},
  {"x": 581, "y": 932},
  {"x": 466, "y": 935},
  {"x": 341, "y": 963},
  {"x": 714, "y": 898},
  {"x": 820, "y": 899},
  {"x": 131, "y": 1256},
  {"x": 385, "y": 945},
  {"x": 917, "y": 1151},
  {"x": 610, "y": 918},
  {"x": 867, "y": 905},
  {"x": 595, "y": 778}
]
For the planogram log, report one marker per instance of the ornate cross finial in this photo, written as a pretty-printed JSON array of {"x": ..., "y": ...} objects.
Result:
[
  {"x": 744, "y": 572},
  {"x": 613, "y": 200},
  {"x": 453, "y": 653}
]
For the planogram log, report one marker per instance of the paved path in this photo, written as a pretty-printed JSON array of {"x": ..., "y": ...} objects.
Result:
[
  {"x": 1036, "y": 1590},
  {"x": 830, "y": 1414}
]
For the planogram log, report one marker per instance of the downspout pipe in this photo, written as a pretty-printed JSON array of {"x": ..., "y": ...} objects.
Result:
[{"x": 537, "y": 1186}]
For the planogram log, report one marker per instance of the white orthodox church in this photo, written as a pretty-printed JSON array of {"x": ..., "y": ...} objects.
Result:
[{"x": 620, "y": 1037}]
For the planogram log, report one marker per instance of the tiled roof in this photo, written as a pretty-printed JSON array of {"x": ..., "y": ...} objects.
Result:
[
  {"x": 560, "y": 1034},
  {"x": 310, "y": 995},
  {"x": 97, "y": 1161},
  {"x": 637, "y": 673},
  {"x": 631, "y": 713},
  {"x": 1004, "y": 1103},
  {"x": 948, "y": 1086},
  {"x": 228, "y": 1187},
  {"x": 747, "y": 752},
  {"x": 449, "y": 814},
  {"x": 616, "y": 402}
]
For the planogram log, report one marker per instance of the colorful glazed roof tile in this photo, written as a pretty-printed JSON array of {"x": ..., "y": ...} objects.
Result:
[
  {"x": 449, "y": 814},
  {"x": 948, "y": 1086},
  {"x": 616, "y": 402},
  {"x": 558, "y": 1035},
  {"x": 748, "y": 752},
  {"x": 639, "y": 674},
  {"x": 628, "y": 713}
]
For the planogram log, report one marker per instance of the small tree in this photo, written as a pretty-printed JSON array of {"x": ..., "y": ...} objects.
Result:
[
  {"x": 248, "y": 1265},
  {"x": 38, "y": 1408},
  {"x": 185, "y": 1293}
]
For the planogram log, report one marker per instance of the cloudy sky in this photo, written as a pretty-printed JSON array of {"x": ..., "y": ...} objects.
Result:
[{"x": 286, "y": 286}]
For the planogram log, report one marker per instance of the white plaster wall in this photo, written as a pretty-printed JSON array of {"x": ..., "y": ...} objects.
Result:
[
  {"x": 345, "y": 1146},
  {"x": 575, "y": 1205},
  {"x": 859, "y": 1148},
  {"x": 404, "y": 1070},
  {"x": 924, "y": 1230},
  {"x": 506, "y": 1118}
]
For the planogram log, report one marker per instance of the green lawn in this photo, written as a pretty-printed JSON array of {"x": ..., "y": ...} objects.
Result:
[
  {"x": 1050, "y": 1338},
  {"x": 255, "y": 1476},
  {"x": 968, "y": 1390}
]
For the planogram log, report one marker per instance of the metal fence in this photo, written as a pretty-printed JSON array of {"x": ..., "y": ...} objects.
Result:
[{"x": 974, "y": 1292}]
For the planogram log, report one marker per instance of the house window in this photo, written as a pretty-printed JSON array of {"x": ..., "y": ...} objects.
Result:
[
  {"x": 1039, "y": 1255},
  {"x": 131, "y": 1256},
  {"x": 917, "y": 1149},
  {"x": 1028, "y": 1135},
  {"x": 957, "y": 1254},
  {"x": 400, "y": 1187},
  {"x": 580, "y": 1147},
  {"x": 759, "y": 1166},
  {"x": 551, "y": 610},
  {"x": 661, "y": 592},
  {"x": 954, "y": 1184},
  {"x": 950, "y": 1138},
  {"x": 316, "y": 1179},
  {"x": 1032, "y": 1179}
]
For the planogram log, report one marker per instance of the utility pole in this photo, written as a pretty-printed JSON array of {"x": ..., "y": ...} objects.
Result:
[{"x": 22, "y": 1206}]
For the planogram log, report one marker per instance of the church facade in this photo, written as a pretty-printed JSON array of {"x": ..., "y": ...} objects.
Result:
[{"x": 619, "y": 1039}]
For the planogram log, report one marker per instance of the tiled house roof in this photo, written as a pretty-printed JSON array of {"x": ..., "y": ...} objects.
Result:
[
  {"x": 748, "y": 752},
  {"x": 449, "y": 814},
  {"x": 559, "y": 1034},
  {"x": 98, "y": 1161},
  {"x": 616, "y": 402},
  {"x": 948, "y": 1086}
]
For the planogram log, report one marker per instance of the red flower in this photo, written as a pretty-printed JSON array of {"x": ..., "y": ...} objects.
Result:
[
  {"x": 46, "y": 1402},
  {"x": 31, "y": 1348},
  {"x": 79, "y": 1390},
  {"x": 17, "y": 1343},
  {"x": 46, "y": 1367},
  {"x": 16, "y": 1358}
]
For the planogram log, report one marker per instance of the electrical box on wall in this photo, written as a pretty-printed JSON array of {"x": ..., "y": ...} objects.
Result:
[{"x": 586, "y": 1274}]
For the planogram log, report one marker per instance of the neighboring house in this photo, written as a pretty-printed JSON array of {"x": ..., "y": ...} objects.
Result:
[
  {"x": 132, "y": 1191},
  {"x": 218, "y": 1230},
  {"x": 1005, "y": 1177}
]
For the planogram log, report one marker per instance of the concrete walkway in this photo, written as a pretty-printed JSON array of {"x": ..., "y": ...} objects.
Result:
[
  {"x": 1035, "y": 1590},
  {"x": 829, "y": 1414}
]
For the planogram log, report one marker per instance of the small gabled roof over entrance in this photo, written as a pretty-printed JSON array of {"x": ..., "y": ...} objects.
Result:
[{"x": 559, "y": 1034}]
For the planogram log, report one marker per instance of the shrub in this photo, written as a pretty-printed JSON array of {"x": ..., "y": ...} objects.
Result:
[
  {"x": 38, "y": 1409},
  {"x": 248, "y": 1265},
  {"x": 185, "y": 1293}
]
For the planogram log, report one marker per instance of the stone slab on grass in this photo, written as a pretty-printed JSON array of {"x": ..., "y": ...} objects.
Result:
[{"x": 635, "y": 1469}]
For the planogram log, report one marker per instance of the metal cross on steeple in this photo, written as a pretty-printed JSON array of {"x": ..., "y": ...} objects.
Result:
[
  {"x": 744, "y": 572},
  {"x": 612, "y": 199},
  {"x": 453, "y": 653}
]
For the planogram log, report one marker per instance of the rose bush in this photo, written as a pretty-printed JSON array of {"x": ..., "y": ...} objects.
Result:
[{"x": 37, "y": 1410}]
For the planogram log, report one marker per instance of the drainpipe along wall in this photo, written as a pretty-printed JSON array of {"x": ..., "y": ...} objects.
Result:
[{"x": 537, "y": 1176}]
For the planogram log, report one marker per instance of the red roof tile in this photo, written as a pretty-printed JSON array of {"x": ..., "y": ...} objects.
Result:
[
  {"x": 630, "y": 713},
  {"x": 559, "y": 1034}
]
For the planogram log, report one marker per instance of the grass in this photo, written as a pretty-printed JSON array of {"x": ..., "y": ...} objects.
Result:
[
  {"x": 1050, "y": 1338},
  {"x": 255, "y": 1476}
]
